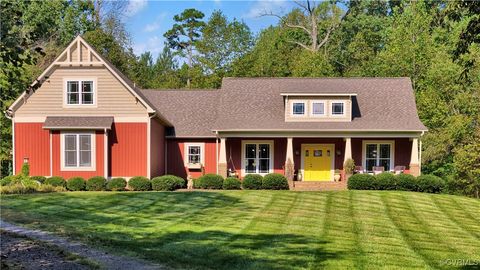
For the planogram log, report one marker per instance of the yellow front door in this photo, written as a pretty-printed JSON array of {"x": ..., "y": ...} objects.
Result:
[{"x": 318, "y": 162}]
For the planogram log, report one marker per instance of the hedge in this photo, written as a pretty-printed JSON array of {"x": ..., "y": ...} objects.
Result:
[
  {"x": 40, "y": 179},
  {"x": 211, "y": 181},
  {"x": 361, "y": 181},
  {"x": 6, "y": 180},
  {"x": 117, "y": 184},
  {"x": 139, "y": 183},
  {"x": 167, "y": 183},
  {"x": 385, "y": 181},
  {"x": 430, "y": 183},
  {"x": 252, "y": 181},
  {"x": 56, "y": 181},
  {"x": 406, "y": 182},
  {"x": 96, "y": 183},
  {"x": 232, "y": 183},
  {"x": 274, "y": 181},
  {"x": 76, "y": 184}
]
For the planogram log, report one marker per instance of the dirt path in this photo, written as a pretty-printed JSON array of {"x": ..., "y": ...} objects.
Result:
[{"x": 105, "y": 260}]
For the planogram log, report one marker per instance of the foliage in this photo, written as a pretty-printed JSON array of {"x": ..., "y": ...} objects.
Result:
[
  {"x": 232, "y": 183},
  {"x": 26, "y": 169},
  {"x": 210, "y": 181},
  {"x": 139, "y": 183},
  {"x": 467, "y": 165},
  {"x": 406, "y": 182},
  {"x": 96, "y": 183},
  {"x": 56, "y": 181},
  {"x": 361, "y": 181},
  {"x": 252, "y": 181},
  {"x": 76, "y": 184},
  {"x": 167, "y": 183},
  {"x": 117, "y": 184},
  {"x": 430, "y": 183},
  {"x": 274, "y": 181},
  {"x": 6, "y": 180},
  {"x": 39, "y": 179},
  {"x": 196, "y": 183},
  {"x": 22, "y": 189},
  {"x": 385, "y": 181},
  {"x": 349, "y": 166}
]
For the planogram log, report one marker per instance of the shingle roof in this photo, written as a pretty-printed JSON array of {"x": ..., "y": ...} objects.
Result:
[
  {"x": 380, "y": 104},
  {"x": 78, "y": 122}
]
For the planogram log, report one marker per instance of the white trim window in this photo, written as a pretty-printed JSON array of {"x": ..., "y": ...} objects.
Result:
[
  {"x": 78, "y": 151},
  {"x": 338, "y": 108},
  {"x": 80, "y": 92},
  {"x": 194, "y": 154},
  {"x": 318, "y": 108},
  {"x": 298, "y": 108},
  {"x": 378, "y": 153},
  {"x": 257, "y": 157}
]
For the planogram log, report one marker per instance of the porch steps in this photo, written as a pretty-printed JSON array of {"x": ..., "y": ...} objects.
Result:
[{"x": 319, "y": 185}]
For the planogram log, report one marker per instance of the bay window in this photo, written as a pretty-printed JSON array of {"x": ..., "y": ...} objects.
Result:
[{"x": 257, "y": 157}]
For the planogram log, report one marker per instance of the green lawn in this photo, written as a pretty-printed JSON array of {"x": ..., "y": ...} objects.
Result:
[{"x": 264, "y": 229}]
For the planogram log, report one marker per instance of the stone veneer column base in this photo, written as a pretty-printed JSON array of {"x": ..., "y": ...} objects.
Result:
[
  {"x": 222, "y": 169},
  {"x": 414, "y": 169}
]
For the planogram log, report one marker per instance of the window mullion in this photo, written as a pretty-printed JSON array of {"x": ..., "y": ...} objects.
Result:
[{"x": 80, "y": 89}]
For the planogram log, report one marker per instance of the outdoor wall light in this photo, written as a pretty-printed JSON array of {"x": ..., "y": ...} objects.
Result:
[
  {"x": 297, "y": 153},
  {"x": 25, "y": 160},
  {"x": 339, "y": 152}
]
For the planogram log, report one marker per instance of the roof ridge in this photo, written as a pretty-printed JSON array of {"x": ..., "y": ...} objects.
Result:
[
  {"x": 182, "y": 90},
  {"x": 313, "y": 78}
]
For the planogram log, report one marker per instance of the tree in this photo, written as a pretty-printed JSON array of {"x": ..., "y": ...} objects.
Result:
[
  {"x": 222, "y": 42},
  {"x": 165, "y": 71},
  {"x": 185, "y": 33}
]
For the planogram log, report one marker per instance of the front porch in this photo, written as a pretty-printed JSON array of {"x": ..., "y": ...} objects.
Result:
[{"x": 311, "y": 163}]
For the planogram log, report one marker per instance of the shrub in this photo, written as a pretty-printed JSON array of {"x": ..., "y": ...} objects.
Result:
[
  {"x": 211, "y": 181},
  {"x": 117, "y": 184},
  {"x": 167, "y": 183},
  {"x": 56, "y": 181},
  {"x": 252, "y": 181},
  {"x": 406, "y": 182},
  {"x": 96, "y": 183},
  {"x": 361, "y": 181},
  {"x": 274, "y": 181},
  {"x": 139, "y": 183},
  {"x": 385, "y": 181},
  {"x": 40, "y": 179},
  {"x": 196, "y": 183},
  {"x": 430, "y": 183},
  {"x": 349, "y": 166},
  {"x": 232, "y": 183},
  {"x": 76, "y": 184},
  {"x": 26, "y": 169},
  {"x": 17, "y": 189},
  {"x": 6, "y": 180},
  {"x": 49, "y": 188}
]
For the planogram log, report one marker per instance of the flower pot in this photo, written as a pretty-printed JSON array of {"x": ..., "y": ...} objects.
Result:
[{"x": 336, "y": 177}]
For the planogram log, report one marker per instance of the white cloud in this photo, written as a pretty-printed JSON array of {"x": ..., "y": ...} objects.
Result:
[
  {"x": 154, "y": 44},
  {"x": 135, "y": 6},
  {"x": 265, "y": 6},
  {"x": 155, "y": 25}
]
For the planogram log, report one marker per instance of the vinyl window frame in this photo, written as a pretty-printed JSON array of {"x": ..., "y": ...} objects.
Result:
[
  {"x": 332, "y": 102},
  {"x": 325, "y": 108},
  {"x": 186, "y": 155},
  {"x": 80, "y": 93},
  {"x": 305, "y": 108},
  {"x": 257, "y": 158},
  {"x": 93, "y": 151},
  {"x": 377, "y": 161}
]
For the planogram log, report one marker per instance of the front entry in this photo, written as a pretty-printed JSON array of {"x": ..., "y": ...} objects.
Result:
[{"x": 318, "y": 162}]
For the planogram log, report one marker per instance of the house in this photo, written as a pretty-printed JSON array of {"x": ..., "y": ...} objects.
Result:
[{"x": 83, "y": 117}]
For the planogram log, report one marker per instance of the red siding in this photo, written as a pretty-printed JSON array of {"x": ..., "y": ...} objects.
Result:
[
  {"x": 157, "y": 149},
  {"x": 128, "y": 149},
  {"x": 99, "y": 161},
  {"x": 32, "y": 141},
  {"x": 175, "y": 157}
]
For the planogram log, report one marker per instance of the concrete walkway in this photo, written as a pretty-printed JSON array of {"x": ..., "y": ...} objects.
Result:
[{"x": 107, "y": 261}]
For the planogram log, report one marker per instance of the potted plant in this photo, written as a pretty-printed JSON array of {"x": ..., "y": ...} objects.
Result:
[
  {"x": 337, "y": 175},
  {"x": 348, "y": 167}
]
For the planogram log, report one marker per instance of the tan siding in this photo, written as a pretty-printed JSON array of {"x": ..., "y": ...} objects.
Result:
[
  {"x": 113, "y": 98},
  {"x": 84, "y": 54},
  {"x": 327, "y": 118},
  {"x": 74, "y": 54}
]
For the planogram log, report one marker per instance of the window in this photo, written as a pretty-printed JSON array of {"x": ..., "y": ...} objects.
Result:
[
  {"x": 298, "y": 108},
  {"x": 318, "y": 108},
  {"x": 78, "y": 151},
  {"x": 194, "y": 153},
  {"x": 257, "y": 157},
  {"x": 80, "y": 92},
  {"x": 338, "y": 108},
  {"x": 378, "y": 154}
]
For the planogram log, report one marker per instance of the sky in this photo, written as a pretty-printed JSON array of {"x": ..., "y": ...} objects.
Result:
[{"x": 147, "y": 21}]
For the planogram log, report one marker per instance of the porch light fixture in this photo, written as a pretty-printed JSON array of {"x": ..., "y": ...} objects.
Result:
[
  {"x": 25, "y": 160},
  {"x": 339, "y": 152},
  {"x": 297, "y": 153}
]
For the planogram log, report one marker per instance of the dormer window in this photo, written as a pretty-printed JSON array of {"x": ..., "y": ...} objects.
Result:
[
  {"x": 298, "y": 108},
  {"x": 338, "y": 108},
  {"x": 318, "y": 108},
  {"x": 80, "y": 92}
]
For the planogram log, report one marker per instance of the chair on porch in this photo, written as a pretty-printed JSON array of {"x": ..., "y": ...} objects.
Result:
[
  {"x": 399, "y": 169},
  {"x": 359, "y": 169},
  {"x": 378, "y": 170}
]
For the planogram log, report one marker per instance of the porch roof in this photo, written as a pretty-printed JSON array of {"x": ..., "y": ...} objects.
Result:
[{"x": 78, "y": 122}]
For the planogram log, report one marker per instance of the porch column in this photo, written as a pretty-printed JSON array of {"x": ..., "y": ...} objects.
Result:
[
  {"x": 289, "y": 164},
  {"x": 414, "y": 162},
  {"x": 348, "y": 149},
  {"x": 222, "y": 159}
]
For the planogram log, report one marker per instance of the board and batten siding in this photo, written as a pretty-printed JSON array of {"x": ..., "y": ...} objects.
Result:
[
  {"x": 128, "y": 150},
  {"x": 327, "y": 118},
  {"x": 112, "y": 97},
  {"x": 32, "y": 142}
]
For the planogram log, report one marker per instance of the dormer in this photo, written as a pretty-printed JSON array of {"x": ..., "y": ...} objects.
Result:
[{"x": 318, "y": 107}]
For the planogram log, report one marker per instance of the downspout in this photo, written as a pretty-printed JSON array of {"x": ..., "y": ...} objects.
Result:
[{"x": 216, "y": 149}]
